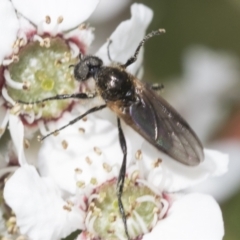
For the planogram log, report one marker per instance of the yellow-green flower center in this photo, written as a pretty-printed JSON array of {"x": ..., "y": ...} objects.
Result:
[
  {"x": 141, "y": 206},
  {"x": 45, "y": 70}
]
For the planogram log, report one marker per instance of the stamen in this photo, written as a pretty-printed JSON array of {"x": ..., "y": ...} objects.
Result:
[
  {"x": 7, "y": 97},
  {"x": 21, "y": 238},
  {"x": 112, "y": 217},
  {"x": 134, "y": 176},
  {"x": 4, "y": 123},
  {"x": 150, "y": 186},
  {"x": 93, "y": 196},
  {"x": 64, "y": 144},
  {"x": 74, "y": 49},
  {"x": 146, "y": 198},
  {"x": 154, "y": 221},
  {"x": 26, "y": 143},
  {"x": 47, "y": 19},
  {"x": 81, "y": 130},
  {"x": 30, "y": 117},
  {"x": 140, "y": 222},
  {"x": 47, "y": 42},
  {"x": 97, "y": 151},
  {"x": 93, "y": 181},
  {"x": 138, "y": 155},
  {"x": 39, "y": 114},
  {"x": 7, "y": 62},
  {"x": 88, "y": 160},
  {"x": 10, "y": 82},
  {"x": 42, "y": 128},
  {"x": 26, "y": 85},
  {"x": 91, "y": 224},
  {"x": 165, "y": 207},
  {"x": 80, "y": 184},
  {"x": 78, "y": 170},
  {"x": 157, "y": 163},
  {"x": 60, "y": 19},
  {"x": 68, "y": 208},
  {"x": 107, "y": 167},
  {"x": 44, "y": 42},
  {"x": 82, "y": 26}
]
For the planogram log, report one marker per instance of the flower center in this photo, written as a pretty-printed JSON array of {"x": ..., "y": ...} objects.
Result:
[
  {"x": 141, "y": 206},
  {"x": 46, "y": 73}
]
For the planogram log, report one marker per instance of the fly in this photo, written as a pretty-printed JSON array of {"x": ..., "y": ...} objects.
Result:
[{"x": 138, "y": 105}]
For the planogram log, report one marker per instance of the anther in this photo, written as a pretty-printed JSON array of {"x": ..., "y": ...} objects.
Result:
[
  {"x": 84, "y": 119},
  {"x": 26, "y": 144},
  {"x": 64, "y": 144},
  {"x": 47, "y": 42},
  {"x": 97, "y": 151},
  {"x": 48, "y": 19},
  {"x": 138, "y": 155},
  {"x": 88, "y": 160},
  {"x": 82, "y": 26},
  {"x": 107, "y": 167},
  {"x": 78, "y": 170},
  {"x": 80, "y": 184},
  {"x": 60, "y": 19},
  {"x": 157, "y": 163},
  {"x": 68, "y": 208},
  {"x": 26, "y": 85},
  {"x": 93, "y": 181},
  {"x": 81, "y": 130}
]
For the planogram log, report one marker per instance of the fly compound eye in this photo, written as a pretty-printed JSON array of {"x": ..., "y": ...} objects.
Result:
[
  {"x": 87, "y": 68},
  {"x": 81, "y": 71}
]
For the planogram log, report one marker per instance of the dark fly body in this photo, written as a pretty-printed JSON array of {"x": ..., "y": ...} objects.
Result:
[{"x": 140, "y": 106}]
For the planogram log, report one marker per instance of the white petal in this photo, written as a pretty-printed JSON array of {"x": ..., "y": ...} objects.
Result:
[
  {"x": 56, "y": 162},
  {"x": 4, "y": 116},
  {"x": 192, "y": 217},
  {"x": 101, "y": 15},
  {"x": 17, "y": 134},
  {"x": 201, "y": 66},
  {"x": 39, "y": 207},
  {"x": 127, "y": 36},
  {"x": 173, "y": 176},
  {"x": 9, "y": 30},
  {"x": 83, "y": 37},
  {"x": 74, "y": 12},
  {"x": 222, "y": 188}
]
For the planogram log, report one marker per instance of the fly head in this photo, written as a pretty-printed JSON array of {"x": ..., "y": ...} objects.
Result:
[{"x": 87, "y": 67}]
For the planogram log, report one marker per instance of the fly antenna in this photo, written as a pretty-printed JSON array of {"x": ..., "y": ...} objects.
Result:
[{"x": 150, "y": 35}]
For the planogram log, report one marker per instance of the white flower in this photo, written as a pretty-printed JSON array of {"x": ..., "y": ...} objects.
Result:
[
  {"x": 208, "y": 84},
  {"x": 60, "y": 197},
  {"x": 39, "y": 204},
  {"x": 75, "y": 172},
  {"x": 209, "y": 78},
  {"x": 49, "y": 32}
]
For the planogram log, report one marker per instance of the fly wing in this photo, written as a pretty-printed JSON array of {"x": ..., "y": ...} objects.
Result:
[{"x": 162, "y": 126}]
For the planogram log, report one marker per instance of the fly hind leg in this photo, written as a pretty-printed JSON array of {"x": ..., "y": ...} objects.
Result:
[{"x": 121, "y": 177}]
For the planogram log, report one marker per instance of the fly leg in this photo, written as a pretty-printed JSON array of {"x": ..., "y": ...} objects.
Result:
[
  {"x": 62, "y": 96},
  {"x": 121, "y": 177},
  {"x": 94, "y": 109},
  {"x": 157, "y": 86}
]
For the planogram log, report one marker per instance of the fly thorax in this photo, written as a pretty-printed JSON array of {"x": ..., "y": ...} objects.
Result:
[{"x": 114, "y": 84}]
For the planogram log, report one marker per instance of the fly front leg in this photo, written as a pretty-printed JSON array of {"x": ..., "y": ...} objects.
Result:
[
  {"x": 61, "y": 97},
  {"x": 94, "y": 109},
  {"x": 121, "y": 177}
]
